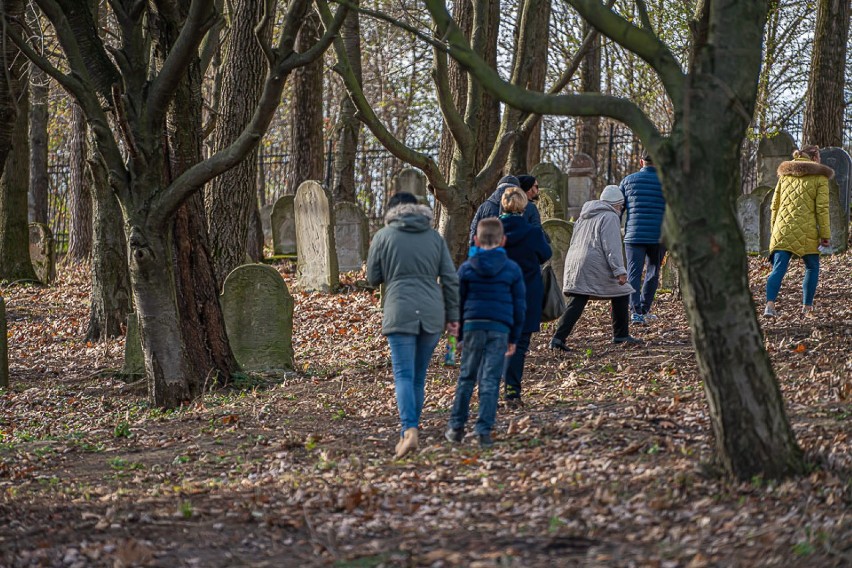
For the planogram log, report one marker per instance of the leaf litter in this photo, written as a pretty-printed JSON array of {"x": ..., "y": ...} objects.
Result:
[{"x": 609, "y": 464}]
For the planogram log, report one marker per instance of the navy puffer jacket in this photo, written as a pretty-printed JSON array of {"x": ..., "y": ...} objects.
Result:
[
  {"x": 644, "y": 206},
  {"x": 491, "y": 288}
]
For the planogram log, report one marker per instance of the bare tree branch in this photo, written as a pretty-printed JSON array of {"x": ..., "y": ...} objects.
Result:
[{"x": 455, "y": 121}]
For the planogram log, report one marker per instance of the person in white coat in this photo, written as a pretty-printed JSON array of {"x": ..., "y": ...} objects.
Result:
[{"x": 594, "y": 268}]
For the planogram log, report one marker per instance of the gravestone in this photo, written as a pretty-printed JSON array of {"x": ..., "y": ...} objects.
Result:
[
  {"x": 266, "y": 225},
  {"x": 838, "y": 160},
  {"x": 4, "y": 346},
  {"x": 134, "y": 359},
  {"x": 560, "y": 233},
  {"x": 549, "y": 176},
  {"x": 748, "y": 215},
  {"x": 412, "y": 181},
  {"x": 770, "y": 153},
  {"x": 670, "y": 275},
  {"x": 258, "y": 312},
  {"x": 283, "y": 221},
  {"x": 316, "y": 268},
  {"x": 556, "y": 199},
  {"x": 581, "y": 181},
  {"x": 766, "y": 221},
  {"x": 545, "y": 205},
  {"x": 42, "y": 252},
  {"x": 838, "y": 219},
  {"x": 351, "y": 236}
]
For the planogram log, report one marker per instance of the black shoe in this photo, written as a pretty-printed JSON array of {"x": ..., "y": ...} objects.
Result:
[
  {"x": 514, "y": 403},
  {"x": 627, "y": 339},
  {"x": 559, "y": 345},
  {"x": 485, "y": 441},
  {"x": 454, "y": 436}
]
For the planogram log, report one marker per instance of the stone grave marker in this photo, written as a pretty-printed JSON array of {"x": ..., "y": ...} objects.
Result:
[
  {"x": 748, "y": 215},
  {"x": 545, "y": 205},
  {"x": 770, "y": 153},
  {"x": 351, "y": 235},
  {"x": 134, "y": 359},
  {"x": 413, "y": 181},
  {"x": 766, "y": 221},
  {"x": 42, "y": 252},
  {"x": 560, "y": 233},
  {"x": 316, "y": 268},
  {"x": 556, "y": 200},
  {"x": 838, "y": 160},
  {"x": 258, "y": 312},
  {"x": 670, "y": 275},
  {"x": 266, "y": 225},
  {"x": 283, "y": 221},
  {"x": 581, "y": 180},
  {"x": 838, "y": 219}
]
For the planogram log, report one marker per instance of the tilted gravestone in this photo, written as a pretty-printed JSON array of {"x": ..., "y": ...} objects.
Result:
[
  {"x": 42, "y": 252},
  {"x": 839, "y": 221},
  {"x": 748, "y": 215},
  {"x": 581, "y": 183},
  {"x": 412, "y": 181},
  {"x": 283, "y": 221},
  {"x": 351, "y": 236},
  {"x": 317, "y": 265},
  {"x": 766, "y": 221},
  {"x": 838, "y": 160},
  {"x": 770, "y": 153},
  {"x": 560, "y": 233},
  {"x": 258, "y": 312},
  {"x": 134, "y": 359},
  {"x": 266, "y": 225}
]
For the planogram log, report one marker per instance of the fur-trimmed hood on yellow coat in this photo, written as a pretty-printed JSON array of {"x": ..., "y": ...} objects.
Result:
[{"x": 800, "y": 207}]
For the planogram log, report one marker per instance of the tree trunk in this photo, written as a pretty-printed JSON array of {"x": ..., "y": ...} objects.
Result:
[
  {"x": 254, "y": 238},
  {"x": 111, "y": 293},
  {"x": 39, "y": 181},
  {"x": 11, "y": 80},
  {"x": 823, "y": 117},
  {"x": 348, "y": 127},
  {"x": 79, "y": 192},
  {"x": 14, "y": 230},
  {"x": 588, "y": 127},
  {"x": 231, "y": 198},
  {"x": 306, "y": 146}
]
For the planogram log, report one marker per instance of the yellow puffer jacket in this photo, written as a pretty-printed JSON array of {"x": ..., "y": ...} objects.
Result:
[{"x": 800, "y": 207}]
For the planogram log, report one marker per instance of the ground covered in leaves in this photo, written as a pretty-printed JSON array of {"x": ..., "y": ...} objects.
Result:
[{"x": 610, "y": 463}]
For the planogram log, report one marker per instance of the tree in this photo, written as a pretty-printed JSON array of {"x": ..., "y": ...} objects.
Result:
[
  {"x": 39, "y": 92},
  {"x": 588, "y": 127},
  {"x": 141, "y": 97},
  {"x": 825, "y": 100},
  {"x": 348, "y": 127},
  {"x": 713, "y": 102},
  {"x": 10, "y": 81},
  {"x": 79, "y": 191}
]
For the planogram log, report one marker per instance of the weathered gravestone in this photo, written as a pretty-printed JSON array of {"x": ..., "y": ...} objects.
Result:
[
  {"x": 770, "y": 153},
  {"x": 134, "y": 359},
  {"x": 4, "y": 346},
  {"x": 839, "y": 221},
  {"x": 581, "y": 183},
  {"x": 258, "y": 312},
  {"x": 838, "y": 160},
  {"x": 560, "y": 233},
  {"x": 283, "y": 221},
  {"x": 412, "y": 181},
  {"x": 266, "y": 225},
  {"x": 766, "y": 221},
  {"x": 42, "y": 252},
  {"x": 317, "y": 265},
  {"x": 351, "y": 235},
  {"x": 748, "y": 215},
  {"x": 545, "y": 205}
]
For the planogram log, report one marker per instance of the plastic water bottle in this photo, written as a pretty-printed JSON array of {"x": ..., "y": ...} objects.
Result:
[{"x": 450, "y": 352}]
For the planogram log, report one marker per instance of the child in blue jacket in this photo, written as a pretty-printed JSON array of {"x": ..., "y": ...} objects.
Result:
[{"x": 492, "y": 294}]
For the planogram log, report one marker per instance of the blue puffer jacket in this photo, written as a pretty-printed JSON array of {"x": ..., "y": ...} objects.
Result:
[
  {"x": 492, "y": 208},
  {"x": 644, "y": 206},
  {"x": 491, "y": 289},
  {"x": 526, "y": 245}
]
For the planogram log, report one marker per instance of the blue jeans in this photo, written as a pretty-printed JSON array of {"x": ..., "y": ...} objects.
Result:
[
  {"x": 514, "y": 369},
  {"x": 482, "y": 362},
  {"x": 649, "y": 257},
  {"x": 410, "y": 355},
  {"x": 780, "y": 262}
]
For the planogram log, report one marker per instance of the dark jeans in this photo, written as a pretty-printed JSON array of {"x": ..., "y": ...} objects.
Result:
[
  {"x": 575, "y": 305},
  {"x": 514, "y": 368},
  {"x": 649, "y": 257},
  {"x": 482, "y": 362}
]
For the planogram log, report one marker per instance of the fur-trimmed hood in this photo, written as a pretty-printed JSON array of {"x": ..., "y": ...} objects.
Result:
[
  {"x": 804, "y": 167},
  {"x": 411, "y": 217}
]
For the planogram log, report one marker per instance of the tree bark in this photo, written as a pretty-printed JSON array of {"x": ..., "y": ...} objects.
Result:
[
  {"x": 79, "y": 192},
  {"x": 823, "y": 117},
  {"x": 306, "y": 146},
  {"x": 348, "y": 126},
  {"x": 39, "y": 181},
  {"x": 231, "y": 198},
  {"x": 11, "y": 80},
  {"x": 14, "y": 230},
  {"x": 588, "y": 127}
]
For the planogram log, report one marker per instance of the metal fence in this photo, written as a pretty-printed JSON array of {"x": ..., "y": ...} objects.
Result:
[{"x": 59, "y": 180}]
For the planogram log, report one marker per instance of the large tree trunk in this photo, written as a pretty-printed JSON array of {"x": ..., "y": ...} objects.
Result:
[
  {"x": 231, "y": 198},
  {"x": 14, "y": 230},
  {"x": 306, "y": 147},
  {"x": 348, "y": 127},
  {"x": 39, "y": 181},
  {"x": 588, "y": 127},
  {"x": 80, "y": 196},
  {"x": 10, "y": 80},
  {"x": 823, "y": 117}
]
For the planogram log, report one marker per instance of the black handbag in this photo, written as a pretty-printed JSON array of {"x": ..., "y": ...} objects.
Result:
[{"x": 553, "y": 302}]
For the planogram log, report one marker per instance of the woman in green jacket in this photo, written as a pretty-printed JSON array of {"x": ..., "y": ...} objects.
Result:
[
  {"x": 421, "y": 298},
  {"x": 800, "y": 223}
]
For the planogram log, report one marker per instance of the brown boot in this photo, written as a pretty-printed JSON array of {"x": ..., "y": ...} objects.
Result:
[{"x": 408, "y": 443}]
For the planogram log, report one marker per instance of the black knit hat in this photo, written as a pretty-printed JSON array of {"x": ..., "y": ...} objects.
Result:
[
  {"x": 527, "y": 181},
  {"x": 510, "y": 180}
]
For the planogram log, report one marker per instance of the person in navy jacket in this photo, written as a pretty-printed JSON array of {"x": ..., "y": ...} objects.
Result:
[{"x": 644, "y": 207}]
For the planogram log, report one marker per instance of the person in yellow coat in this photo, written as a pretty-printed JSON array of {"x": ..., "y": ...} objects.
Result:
[{"x": 800, "y": 223}]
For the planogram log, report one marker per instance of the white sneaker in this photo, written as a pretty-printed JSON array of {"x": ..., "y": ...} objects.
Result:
[{"x": 769, "y": 312}]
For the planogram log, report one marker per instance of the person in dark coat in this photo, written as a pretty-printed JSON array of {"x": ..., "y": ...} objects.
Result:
[
  {"x": 491, "y": 207},
  {"x": 527, "y": 246}
]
